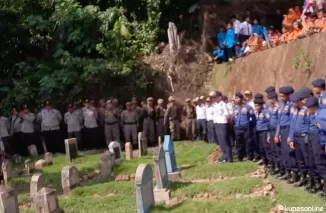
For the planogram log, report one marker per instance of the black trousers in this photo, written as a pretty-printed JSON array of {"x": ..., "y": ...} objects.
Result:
[
  {"x": 18, "y": 146},
  {"x": 78, "y": 136},
  {"x": 7, "y": 145},
  {"x": 91, "y": 137},
  {"x": 53, "y": 141},
  {"x": 229, "y": 53}
]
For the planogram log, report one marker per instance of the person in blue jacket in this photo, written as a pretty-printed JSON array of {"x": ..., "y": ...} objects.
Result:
[
  {"x": 219, "y": 54},
  {"x": 229, "y": 43},
  {"x": 221, "y": 37},
  {"x": 257, "y": 28}
]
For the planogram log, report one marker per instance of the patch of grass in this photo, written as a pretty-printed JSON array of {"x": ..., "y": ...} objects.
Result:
[
  {"x": 248, "y": 205},
  {"x": 287, "y": 195},
  {"x": 225, "y": 187},
  {"x": 211, "y": 171}
]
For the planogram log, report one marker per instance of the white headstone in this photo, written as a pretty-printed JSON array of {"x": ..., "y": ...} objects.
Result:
[
  {"x": 47, "y": 201},
  {"x": 37, "y": 183},
  {"x": 6, "y": 171},
  {"x": 8, "y": 200},
  {"x": 115, "y": 148},
  {"x": 29, "y": 166},
  {"x": 48, "y": 158},
  {"x": 144, "y": 188},
  {"x": 32, "y": 149},
  {"x": 106, "y": 163},
  {"x": 70, "y": 178},
  {"x": 128, "y": 151}
]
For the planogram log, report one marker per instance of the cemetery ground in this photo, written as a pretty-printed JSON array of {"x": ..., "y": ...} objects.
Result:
[{"x": 240, "y": 187}]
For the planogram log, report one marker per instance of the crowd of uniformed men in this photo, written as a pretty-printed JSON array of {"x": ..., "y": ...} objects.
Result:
[{"x": 287, "y": 134}]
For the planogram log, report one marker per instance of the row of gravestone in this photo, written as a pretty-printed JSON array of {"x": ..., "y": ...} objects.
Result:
[{"x": 164, "y": 166}]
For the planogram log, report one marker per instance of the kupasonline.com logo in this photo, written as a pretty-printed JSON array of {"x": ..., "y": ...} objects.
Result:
[{"x": 301, "y": 209}]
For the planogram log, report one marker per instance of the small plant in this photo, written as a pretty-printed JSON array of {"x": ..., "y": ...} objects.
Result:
[{"x": 295, "y": 63}]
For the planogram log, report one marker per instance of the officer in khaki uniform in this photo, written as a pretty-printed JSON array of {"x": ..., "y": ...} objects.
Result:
[
  {"x": 73, "y": 119},
  {"x": 129, "y": 122},
  {"x": 111, "y": 120},
  {"x": 28, "y": 130},
  {"x": 139, "y": 111},
  {"x": 172, "y": 117},
  {"x": 189, "y": 112},
  {"x": 90, "y": 118},
  {"x": 149, "y": 123},
  {"x": 160, "y": 112}
]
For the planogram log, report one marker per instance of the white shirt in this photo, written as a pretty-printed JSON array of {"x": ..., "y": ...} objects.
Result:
[
  {"x": 201, "y": 111},
  {"x": 221, "y": 112},
  {"x": 210, "y": 113},
  {"x": 245, "y": 29},
  {"x": 230, "y": 108},
  {"x": 251, "y": 103},
  {"x": 236, "y": 25}
]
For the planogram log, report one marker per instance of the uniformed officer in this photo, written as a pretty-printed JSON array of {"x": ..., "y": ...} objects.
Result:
[
  {"x": 320, "y": 120},
  {"x": 115, "y": 103},
  {"x": 160, "y": 112},
  {"x": 15, "y": 130},
  {"x": 139, "y": 111},
  {"x": 172, "y": 117},
  {"x": 298, "y": 137},
  {"x": 111, "y": 120},
  {"x": 101, "y": 111},
  {"x": 210, "y": 121},
  {"x": 270, "y": 89},
  {"x": 73, "y": 119},
  {"x": 149, "y": 124},
  {"x": 230, "y": 124},
  {"x": 129, "y": 121},
  {"x": 27, "y": 128},
  {"x": 189, "y": 112},
  {"x": 305, "y": 93},
  {"x": 242, "y": 115},
  {"x": 318, "y": 86},
  {"x": 90, "y": 118},
  {"x": 262, "y": 130},
  {"x": 272, "y": 139},
  {"x": 201, "y": 123},
  {"x": 4, "y": 134},
  {"x": 50, "y": 119},
  {"x": 285, "y": 115},
  {"x": 316, "y": 152}
]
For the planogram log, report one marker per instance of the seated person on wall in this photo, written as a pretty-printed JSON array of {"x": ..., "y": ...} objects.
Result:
[
  {"x": 296, "y": 32},
  {"x": 286, "y": 31},
  {"x": 273, "y": 37},
  {"x": 297, "y": 11},
  {"x": 308, "y": 24},
  {"x": 255, "y": 43},
  {"x": 239, "y": 51},
  {"x": 320, "y": 22},
  {"x": 257, "y": 28},
  {"x": 218, "y": 54},
  {"x": 290, "y": 18}
]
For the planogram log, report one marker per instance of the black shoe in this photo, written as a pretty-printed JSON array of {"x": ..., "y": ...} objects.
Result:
[
  {"x": 294, "y": 178},
  {"x": 310, "y": 184},
  {"x": 280, "y": 174},
  {"x": 317, "y": 185},
  {"x": 323, "y": 192},
  {"x": 302, "y": 181}
]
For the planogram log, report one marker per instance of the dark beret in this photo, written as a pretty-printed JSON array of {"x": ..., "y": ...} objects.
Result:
[
  {"x": 218, "y": 94},
  {"x": 311, "y": 101},
  {"x": 318, "y": 82},
  {"x": 295, "y": 97},
  {"x": 272, "y": 95},
  {"x": 286, "y": 90},
  {"x": 304, "y": 92},
  {"x": 270, "y": 89},
  {"x": 238, "y": 94},
  {"x": 259, "y": 101},
  {"x": 259, "y": 96}
]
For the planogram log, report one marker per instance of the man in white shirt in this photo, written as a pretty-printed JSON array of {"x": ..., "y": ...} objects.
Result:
[
  {"x": 201, "y": 123},
  {"x": 245, "y": 30},
  {"x": 236, "y": 24},
  {"x": 221, "y": 117},
  {"x": 248, "y": 97},
  {"x": 210, "y": 121}
]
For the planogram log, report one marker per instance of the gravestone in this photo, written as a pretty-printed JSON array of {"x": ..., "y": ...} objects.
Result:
[
  {"x": 48, "y": 158},
  {"x": 8, "y": 200},
  {"x": 115, "y": 148},
  {"x": 161, "y": 192},
  {"x": 6, "y": 171},
  {"x": 69, "y": 179},
  {"x": 29, "y": 166},
  {"x": 142, "y": 144},
  {"x": 37, "y": 183},
  {"x": 44, "y": 145},
  {"x": 71, "y": 149},
  {"x": 106, "y": 163},
  {"x": 17, "y": 158},
  {"x": 47, "y": 201},
  {"x": 144, "y": 188},
  {"x": 40, "y": 164},
  {"x": 129, "y": 151},
  {"x": 32, "y": 150},
  {"x": 171, "y": 164}
]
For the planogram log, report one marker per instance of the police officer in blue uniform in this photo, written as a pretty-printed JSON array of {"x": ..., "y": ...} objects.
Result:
[
  {"x": 242, "y": 118},
  {"x": 284, "y": 120},
  {"x": 269, "y": 89},
  {"x": 318, "y": 86}
]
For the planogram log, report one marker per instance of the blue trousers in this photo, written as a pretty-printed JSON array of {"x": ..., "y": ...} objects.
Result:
[
  {"x": 272, "y": 147},
  {"x": 211, "y": 132},
  {"x": 318, "y": 166},
  {"x": 288, "y": 160},
  {"x": 261, "y": 137},
  {"x": 222, "y": 134},
  {"x": 242, "y": 139},
  {"x": 301, "y": 152},
  {"x": 201, "y": 126}
]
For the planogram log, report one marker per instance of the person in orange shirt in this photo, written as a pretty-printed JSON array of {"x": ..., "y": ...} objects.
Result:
[
  {"x": 285, "y": 34},
  {"x": 320, "y": 23},
  {"x": 273, "y": 37},
  {"x": 255, "y": 43},
  {"x": 297, "y": 31},
  {"x": 297, "y": 10},
  {"x": 309, "y": 24},
  {"x": 290, "y": 18}
]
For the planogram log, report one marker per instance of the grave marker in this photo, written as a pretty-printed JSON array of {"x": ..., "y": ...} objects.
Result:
[
  {"x": 37, "y": 183},
  {"x": 129, "y": 151},
  {"x": 47, "y": 201},
  {"x": 171, "y": 164},
  {"x": 161, "y": 192},
  {"x": 106, "y": 163},
  {"x": 115, "y": 148},
  {"x": 8, "y": 200},
  {"x": 32, "y": 150},
  {"x": 144, "y": 188},
  {"x": 6, "y": 171},
  {"x": 71, "y": 149},
  {"x": 69, "y": 179},
  {"x": 29, "y": 166},
  {"x": 48, "y": 158},
  {"x": 142, "y": 144}
]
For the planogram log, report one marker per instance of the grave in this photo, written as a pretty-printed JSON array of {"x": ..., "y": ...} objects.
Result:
[
  {"x": 106, "y": 163},
  {"x": 115, "y": 148},
  {"x": 171, "y": 164},
  {"x": 37, "y": 183},
  {"x": 70, "y": 178},
  {"x": 71, "y": 149},
  {"x": 161, "y": 191},
  {"x": 6, "y": 171},
  {"x": 29, "y": 166},
  {"x": 47, "y": 201},
  {"x": 32, "y": 150},
  {"x": 17, "y": 158},
  {"x": 48, "y": 158},
  {"x": 144, "y": 188},
  {"x": 142, "y": 144},
  {"x": 8, "y": 200},
  {"x": 129, "y": 151},
  {"x": 40, "y": 164}
]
